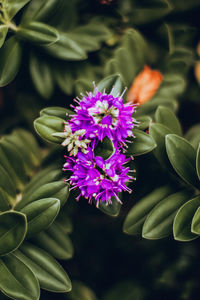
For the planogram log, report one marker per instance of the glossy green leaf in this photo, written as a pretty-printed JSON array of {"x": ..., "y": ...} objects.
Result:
[
  {"x": 112, "y": 210},
  {"x": 13, "y": 226},
  {"x": 3, "y": 33},
  {"x": 56, "y": 111},
  {"x": 40, "y": 214},
  {"x": 12, "y": 7},
  {"x": 16, "y": 162},
  {"x": 17, "y": 281},
  {"x": 167, "y": 118},
  {"x": 38, "y": 33},
  {"x": 55, "y": 241},
  {"x": 6, "y": 183},
  {"x": 65, "y": 222},
  {"x": 159, "y": 222},
  {"x": 195, "y": 227},
  {"x": 42, "y": 76},
  {"x": 81, "y": 291},
  {"x": 198, "y": 161},
  {"x": 4, "y": 202},
  {"x": 183, "y": 221},
  {"x": 104, "y": 149},
  {"x": 111, "y": 85},
  {"x": 66, "y": 49},
  {"x": 158, "y": 132},
  {"x": 10, "y": 59},
  {"x": 143, "y": 122},
  {"x": 45, "y": 126},
  {"x": 193, "y": 135},
  {"x": 57, "y": 189},
  {"x": 46, "y": 175},
  {"x": 138, "y": 213},
  {"x": 49, "y": 273},
  {"x": 142, "y": 143},
  {"x": 183, "y": 158}
]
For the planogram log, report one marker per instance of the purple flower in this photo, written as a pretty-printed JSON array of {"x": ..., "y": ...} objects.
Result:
[
  {"x": 103, "y": 115},
  {"x": 97, "y": 178}
]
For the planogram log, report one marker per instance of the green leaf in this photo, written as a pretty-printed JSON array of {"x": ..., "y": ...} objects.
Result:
[
  {"x": 138, "y": 213},
  {"x": 17, "y": 281},
  {"x": 193, "y": 135},
  {"x": 12, "y": 7},
  {"x": 13, "y": 227},
  {"x": 64, "y": 78},
  {"x": 111, "y": 85},
  {"x": 183, "y": 158},
  {"x": 144, "y": 122},
  {"x": 195, "y": 227},
  {"x": 40, "y": 214},
  {"x": 38, "y": 33},
  {"x": 158, "y": 132},
  {"x": 142, "y": 143},
  {"x": 50, "y": 274},
  {"x": 6, "y": 183},
  {"x": 10, "y": 59},
  {"x": 81, "y": 291},
  {"x": 66, "y": 49},
  {"x": 56, "y": 111},
  {"x": 45, "y": 126},
  {"x": 112, "y": 210},
  {"x": 158, "y": 223},
  {"x": 55, "y": 241},
  {"x": 198, "y": 161},
  {"x": 47, "y": 175},
  {"x": 57, "y": 189},
  {"x": 167, "y": 118},
  {"x": 184, "y": 219},
  {"x": 3, "y": 33},
  {"x": 105, "y": 148},
  {"x": 4, "y": 202},
  {"x": 41, "y": 76},
  {"x": 16, "y": 163}
]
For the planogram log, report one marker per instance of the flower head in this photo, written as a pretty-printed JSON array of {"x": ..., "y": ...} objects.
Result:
[
  {"x": 97, "y": 178},
  {"x": 103, "y": 115},
  {"x": 144, "y": 86}
]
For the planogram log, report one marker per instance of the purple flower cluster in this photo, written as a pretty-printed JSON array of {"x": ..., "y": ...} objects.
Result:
[{"x": 98, "y": 116}]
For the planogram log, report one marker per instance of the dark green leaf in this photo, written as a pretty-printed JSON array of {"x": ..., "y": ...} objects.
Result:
[
  {"x": 66, "y": 49},
  {"x": 193, "y": 135},
  {"x": 45, "y": 126},
  {"x": 137, "y": 215},
  {"x": 167, "y": 118},
  {"x": 142, "y": 143},
  {"x": 183, "y": 221},
  {"x": 49, "y": 273},
  {"x": 3, "y": 33},
  {"x": 198, "y": 161},
  {"x": 6, "y": 183},
  {"x": 56, "y": 111},
  {"x": 159, "y": 222},
  {"x": 111, "y": 85},
  {"x": 57, "y": 189},
  {"x": 13, "y": 226},
  {"x": 144, "y": 122},
  {"x": 105, "y": 148},
  {"x": 112, "y": 210},
  {"x": 12, "y": 7},
  {"x": 55, "y": 241},
  {"x": 17, "y": 280},
  {"x": 158, "y": 132},
  {"x": 40, "y": 214},
  {"x": 4, "y": 202},
  {"x": 183, "y": 158},
  {"x": 41, "y": 76},
  {"x": 38, "y": 33},
  {"x": 195, "y": 227},
  {"x": 10, "y": 58}
]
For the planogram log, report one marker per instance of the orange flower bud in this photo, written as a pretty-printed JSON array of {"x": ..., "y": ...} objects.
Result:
[{"x": 144, "y": 86}]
